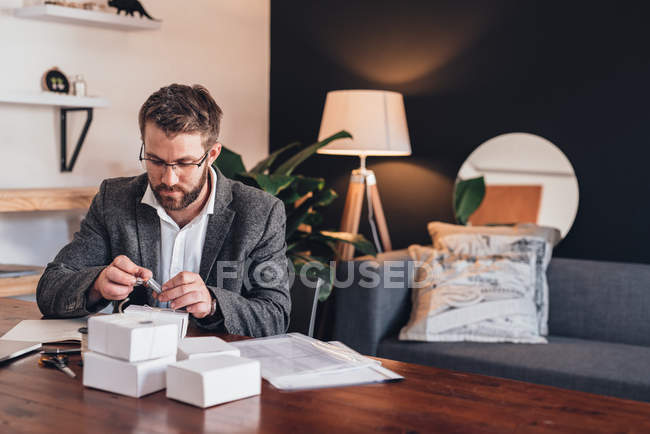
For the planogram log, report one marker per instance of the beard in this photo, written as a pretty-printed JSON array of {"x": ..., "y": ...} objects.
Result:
[{"x": 188, "y": 197}]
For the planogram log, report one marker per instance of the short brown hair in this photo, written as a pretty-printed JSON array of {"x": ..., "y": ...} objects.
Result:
[{"x": 178, "y": 108}]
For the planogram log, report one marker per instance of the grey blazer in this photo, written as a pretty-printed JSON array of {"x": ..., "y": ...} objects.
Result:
[{"x": 243, "y": 264}]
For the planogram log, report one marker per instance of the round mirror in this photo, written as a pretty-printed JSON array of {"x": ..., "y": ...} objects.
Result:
[{"x": 527, "y": 180}]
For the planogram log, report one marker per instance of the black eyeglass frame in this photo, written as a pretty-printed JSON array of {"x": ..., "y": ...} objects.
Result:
[{"x": 161, "y": 163}]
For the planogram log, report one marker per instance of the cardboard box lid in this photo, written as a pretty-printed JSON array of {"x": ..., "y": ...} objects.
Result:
[{"x": 205, "y": 344}]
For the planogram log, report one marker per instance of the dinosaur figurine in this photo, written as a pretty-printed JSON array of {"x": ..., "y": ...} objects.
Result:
[{"x": 129, "y": 7}]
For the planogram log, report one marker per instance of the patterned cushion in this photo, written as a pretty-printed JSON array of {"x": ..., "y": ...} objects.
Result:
[
  {"x": 489, "y": 240},
  {"x": 470, "y": 297}
]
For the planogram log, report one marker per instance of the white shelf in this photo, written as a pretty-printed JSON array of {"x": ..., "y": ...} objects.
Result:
[
  {"x": 53, "y": 99},
  {"x": 62, "y": 14}
]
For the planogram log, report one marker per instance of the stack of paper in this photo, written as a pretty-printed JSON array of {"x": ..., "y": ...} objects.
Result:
[{"x": 295, "y": 361}]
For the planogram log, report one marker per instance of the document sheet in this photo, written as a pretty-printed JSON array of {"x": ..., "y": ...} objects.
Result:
[
  {"x": 46, "y": 330},
  {"x": 295, "y": 361}
]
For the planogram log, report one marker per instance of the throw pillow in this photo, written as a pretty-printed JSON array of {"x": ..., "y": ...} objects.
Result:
[
  {"x": 472, "y": 298},
  {"x": 491, "y": 240}
]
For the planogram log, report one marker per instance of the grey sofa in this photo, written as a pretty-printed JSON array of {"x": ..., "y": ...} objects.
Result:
[{"x": 599, "y": 327}]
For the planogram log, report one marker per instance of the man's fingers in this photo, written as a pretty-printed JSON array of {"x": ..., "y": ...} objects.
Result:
[
  {"x": 115, "y": 275},
  {"x": 186, "y": 300},
  {"x": 182, "y": 278},
  {"x": 125, "y": 264},
  {"x": 128, "y": 266},
  {"x": 112, "y": 291},
  {"x": 144, "y": 273},
  {"x": 176, "y": 292},
  {"x": 201, "y": 307}
]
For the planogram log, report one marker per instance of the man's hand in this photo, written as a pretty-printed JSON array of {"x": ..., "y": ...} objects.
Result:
[
  {"x": 187, "y": 290},
  {"x": 116, "y": 281}
]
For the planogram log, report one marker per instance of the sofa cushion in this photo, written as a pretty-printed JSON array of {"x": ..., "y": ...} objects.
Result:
[
  {"x": 592, "y": 366},
  {"x": 605, "y": 301}
]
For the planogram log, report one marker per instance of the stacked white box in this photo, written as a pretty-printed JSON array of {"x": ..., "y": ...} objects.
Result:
[
  {"x": 209, "y": 381},
  {"x": 204, "y": 346},
  {"x": 178, "y": 317},
  {"x": 134, "y": 379},
  {"x": 132, "y": 337},
  {"x": 129, "y": 353}
]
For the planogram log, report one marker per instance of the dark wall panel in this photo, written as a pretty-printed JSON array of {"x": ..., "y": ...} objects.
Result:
[{"x": 577, "y": 73}]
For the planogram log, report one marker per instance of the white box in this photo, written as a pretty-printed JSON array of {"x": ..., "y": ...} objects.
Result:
[
  {"x": 205, "y": 346},
  {"x": 181, "y": 318},
  {"x": 132, "y": 337},
  {"x": 126, "y": 378},
  {"x": 213, "y": 380}
]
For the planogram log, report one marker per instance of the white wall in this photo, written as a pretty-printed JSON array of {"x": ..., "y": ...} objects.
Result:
[{"x": 222, "y": 44}]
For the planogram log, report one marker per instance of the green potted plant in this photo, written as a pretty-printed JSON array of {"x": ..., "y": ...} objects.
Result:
[
  {"x": 303, "y": 197},
  {"x": 468, "y": 195}
]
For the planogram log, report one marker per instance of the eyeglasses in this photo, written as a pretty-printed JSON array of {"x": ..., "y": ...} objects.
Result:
[{"x": 182, "y": 166}]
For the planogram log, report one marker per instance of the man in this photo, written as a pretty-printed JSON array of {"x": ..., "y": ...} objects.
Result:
[{"x": 217, "y": 246}]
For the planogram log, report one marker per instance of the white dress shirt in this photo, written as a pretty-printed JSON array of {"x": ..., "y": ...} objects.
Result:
[{"x": 180, "y": 248}]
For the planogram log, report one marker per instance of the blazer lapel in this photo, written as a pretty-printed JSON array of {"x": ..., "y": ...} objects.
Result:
[
  {"x": 148, "y": 235},
  {"x": 218, "y": 225},
  {"x": 148, "y": 225}
]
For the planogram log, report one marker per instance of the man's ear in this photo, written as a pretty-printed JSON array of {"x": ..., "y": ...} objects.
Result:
[{"x": 214, "y": 152}]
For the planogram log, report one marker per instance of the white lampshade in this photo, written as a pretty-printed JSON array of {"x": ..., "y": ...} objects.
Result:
[{"x": 375, "y": 118}]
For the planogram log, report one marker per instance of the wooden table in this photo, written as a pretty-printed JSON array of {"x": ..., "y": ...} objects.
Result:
[{"x": 35, "y": 399}]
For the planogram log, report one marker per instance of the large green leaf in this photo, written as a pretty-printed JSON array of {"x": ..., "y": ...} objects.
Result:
[
  {"x": 229, "y": 163},
  {"x": 359, "y": 241},
  {"x": 298, "y": 242},
  {"x": 468, "y": 196},
  {"x": 313, "y": 219},
  {"x": 263, "y": 165},
  {"x": 298, "y": 216},
  {"x": 325, "y": 197},
  {"x": 306, "y": 185},
  {"x": 288, "y": 166},
  {"x": 289, "y": 196},
  {"x": 301, "y": 214},
  {"x": 271, "y": 184},
  {"x": 289, "y": 189}
]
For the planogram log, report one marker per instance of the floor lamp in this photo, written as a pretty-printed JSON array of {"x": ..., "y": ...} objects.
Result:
[{"x": 376, "y": 119}]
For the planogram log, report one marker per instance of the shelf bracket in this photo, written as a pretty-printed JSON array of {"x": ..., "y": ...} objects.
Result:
[{"x": 65, "y": 166}]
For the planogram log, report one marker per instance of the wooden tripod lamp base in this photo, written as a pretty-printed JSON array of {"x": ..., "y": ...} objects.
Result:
[
  {"x": 375, "y": 125},
  {"x": 360, "y": 180}
]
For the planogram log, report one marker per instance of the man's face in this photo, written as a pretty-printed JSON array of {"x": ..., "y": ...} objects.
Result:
[{"x": 176, "y": 188}]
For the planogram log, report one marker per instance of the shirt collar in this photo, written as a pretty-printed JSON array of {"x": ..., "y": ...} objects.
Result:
[{"x": 150, "y": 199}]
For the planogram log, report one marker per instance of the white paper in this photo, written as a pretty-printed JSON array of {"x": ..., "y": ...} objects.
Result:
[
  {"x": 295, "y": 354},
  {"x": 295, "y": 361},
  {"x": 10, "y": 349},
  {"x": 46, "y": 330},
  {"x": 286, "y": 355}
]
